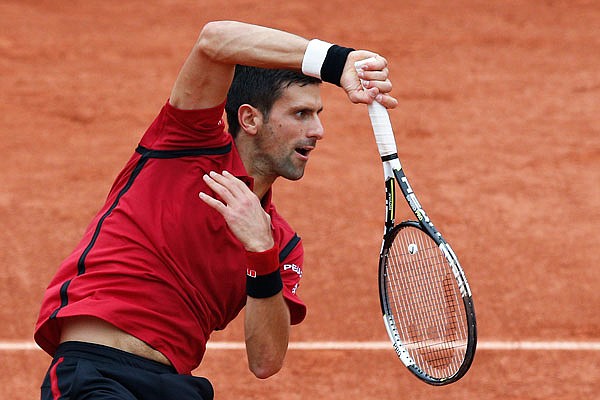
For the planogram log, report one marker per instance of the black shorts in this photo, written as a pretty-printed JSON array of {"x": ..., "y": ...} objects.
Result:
[{"x": 91, "y": 371}]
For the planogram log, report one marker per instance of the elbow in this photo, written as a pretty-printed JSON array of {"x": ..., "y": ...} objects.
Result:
[
  {"x": 211, "y": 38},
  {"x": 266, "y": 362},
  {"x": 264, "y": 370}
]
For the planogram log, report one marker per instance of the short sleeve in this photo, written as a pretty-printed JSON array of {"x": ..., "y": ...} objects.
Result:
[
  {"x": 291, "y": 274},
  {"x": 175, "y": 129}
]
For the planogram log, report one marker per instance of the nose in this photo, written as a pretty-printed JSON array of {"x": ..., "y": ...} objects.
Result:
[{"x": 316, "y": 130}]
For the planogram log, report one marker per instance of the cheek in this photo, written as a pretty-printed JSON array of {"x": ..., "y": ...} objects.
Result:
[
  {"x": 283, "y": 134},
  {"x": 274, "y": 140}
]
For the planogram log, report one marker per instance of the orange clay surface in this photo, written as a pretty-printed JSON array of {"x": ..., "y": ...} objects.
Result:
[{"x": 498, "y": 130}]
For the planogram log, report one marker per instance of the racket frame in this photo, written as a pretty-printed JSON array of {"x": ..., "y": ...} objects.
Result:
[{"x": 393, "y": 172}]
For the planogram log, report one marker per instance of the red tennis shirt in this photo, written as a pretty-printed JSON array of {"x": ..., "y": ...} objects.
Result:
[{"x": 156, "y": 261}]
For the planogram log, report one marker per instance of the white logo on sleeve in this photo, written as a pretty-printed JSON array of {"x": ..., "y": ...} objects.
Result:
[{"x": 297, "y": 269}]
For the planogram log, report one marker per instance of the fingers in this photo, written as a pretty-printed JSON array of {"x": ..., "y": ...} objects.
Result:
[
  {"x": 375, "y": 79},
  {"x": 371, "y": 81},
  {"x": 241, "y": 210},
  {"x": 374, "y": 92},
  {"x": 387, "y": 101},
  {"x": 374, "y": 74},
  {"x": 225, "y": 185},
  {"x": 217, "y": 183},
  {"x": 214, "y": 203}
]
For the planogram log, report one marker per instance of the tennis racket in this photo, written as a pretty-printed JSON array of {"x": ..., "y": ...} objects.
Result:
[{"x": 425, "y": 298}]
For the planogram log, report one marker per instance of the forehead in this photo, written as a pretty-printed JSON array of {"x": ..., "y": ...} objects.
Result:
[{"x": 296, "y": 96}]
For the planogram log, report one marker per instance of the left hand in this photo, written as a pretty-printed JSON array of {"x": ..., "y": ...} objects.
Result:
[{"x": 241, "y": 209}]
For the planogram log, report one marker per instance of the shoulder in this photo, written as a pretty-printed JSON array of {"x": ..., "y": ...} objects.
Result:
[{"x": 175, "y": 128}]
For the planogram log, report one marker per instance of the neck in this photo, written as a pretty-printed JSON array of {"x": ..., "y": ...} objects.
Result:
[{"x": 261, "y": 186}]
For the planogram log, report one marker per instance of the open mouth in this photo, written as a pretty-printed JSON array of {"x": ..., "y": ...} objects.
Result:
[{"x": 302, "y": 151}]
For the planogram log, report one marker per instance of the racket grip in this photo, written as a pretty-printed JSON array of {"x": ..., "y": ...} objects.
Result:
[
  {"x": 380, "y": 121},
  {"x": 382, "y": 129}
]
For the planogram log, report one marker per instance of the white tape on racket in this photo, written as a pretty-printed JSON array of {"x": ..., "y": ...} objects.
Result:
[{"x": 380, "y": 121}]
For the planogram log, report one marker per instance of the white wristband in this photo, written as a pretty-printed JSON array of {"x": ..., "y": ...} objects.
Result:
[{"x": 315, "y": 54}]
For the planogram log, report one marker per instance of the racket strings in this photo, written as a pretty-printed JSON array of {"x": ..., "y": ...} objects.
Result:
[{"x": 426, "y": 304}]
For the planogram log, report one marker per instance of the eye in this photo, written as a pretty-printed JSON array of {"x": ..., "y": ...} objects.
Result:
[
  {"x": 302, "y": 114},
  {"x": 306, "y": 113}
]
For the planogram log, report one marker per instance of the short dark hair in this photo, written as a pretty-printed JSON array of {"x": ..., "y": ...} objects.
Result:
[{"x": 260, "y": 88}]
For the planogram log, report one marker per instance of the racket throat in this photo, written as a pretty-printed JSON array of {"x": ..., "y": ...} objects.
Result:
[{"x": 390, "y": 204}]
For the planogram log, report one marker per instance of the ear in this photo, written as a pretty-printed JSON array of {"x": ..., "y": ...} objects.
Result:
[{"x": 250, "y": 119}]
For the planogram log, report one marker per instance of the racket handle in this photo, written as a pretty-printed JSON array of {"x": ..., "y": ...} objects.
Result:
[{"x": 380, "y": 121}]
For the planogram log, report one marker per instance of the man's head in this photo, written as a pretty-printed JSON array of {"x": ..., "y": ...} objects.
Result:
[
  {"x": 259, "y": 88},
  {"x": 274, "y": 117}
]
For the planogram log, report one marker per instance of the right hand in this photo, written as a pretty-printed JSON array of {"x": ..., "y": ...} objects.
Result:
[
  {"x": 241, "y": 209},
  {"x": 374, "y": 74}
]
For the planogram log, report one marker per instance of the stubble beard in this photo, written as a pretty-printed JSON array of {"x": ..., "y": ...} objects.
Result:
[{"x": 276, "y": 162}]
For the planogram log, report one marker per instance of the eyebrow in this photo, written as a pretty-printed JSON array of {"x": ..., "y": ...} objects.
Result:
[{"x": 301, "y": 107}]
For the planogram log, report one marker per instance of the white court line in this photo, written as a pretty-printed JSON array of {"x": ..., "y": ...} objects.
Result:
[{"x": 482, "y": 345}]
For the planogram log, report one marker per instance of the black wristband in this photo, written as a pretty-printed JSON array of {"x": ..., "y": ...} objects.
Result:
[
  {"x": 333, "y": 65},
  {"x": 263, "y": 286}
]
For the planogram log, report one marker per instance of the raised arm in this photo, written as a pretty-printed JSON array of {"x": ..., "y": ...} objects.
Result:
[
  {"x": 205, "y": 77},
  {"x": 208, "y": 71}
]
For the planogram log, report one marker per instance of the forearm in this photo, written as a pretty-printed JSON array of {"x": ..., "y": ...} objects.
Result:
[
  {"x": 233, "y": 43},
  {"x": 267, "y": 326}
]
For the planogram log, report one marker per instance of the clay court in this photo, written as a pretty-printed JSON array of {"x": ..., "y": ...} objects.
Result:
[{"x": 498, "y": 130}]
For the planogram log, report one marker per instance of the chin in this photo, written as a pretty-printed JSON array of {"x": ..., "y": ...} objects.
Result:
[{"x": 294, "y": 176}]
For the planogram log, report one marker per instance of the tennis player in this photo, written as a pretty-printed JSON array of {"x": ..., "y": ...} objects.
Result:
[{"x": 189, "y": 235}]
